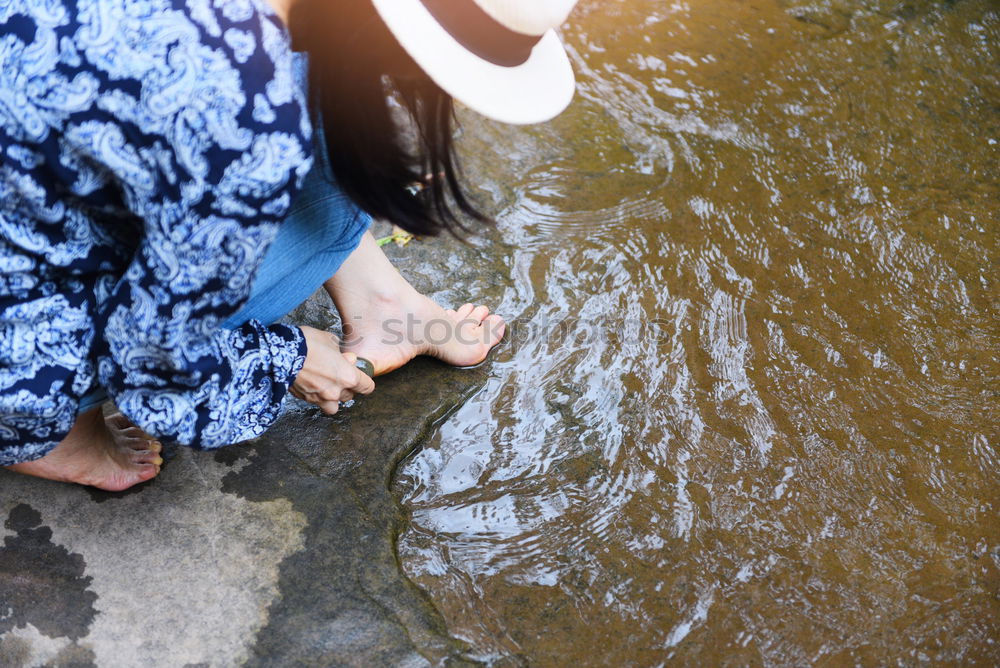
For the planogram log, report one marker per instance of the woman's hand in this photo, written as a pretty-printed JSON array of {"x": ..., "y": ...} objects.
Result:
[{"x": 328, "y": 376}]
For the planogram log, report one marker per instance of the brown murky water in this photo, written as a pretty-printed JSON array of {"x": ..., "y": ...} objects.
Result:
[{"x": 749, "y": 413}]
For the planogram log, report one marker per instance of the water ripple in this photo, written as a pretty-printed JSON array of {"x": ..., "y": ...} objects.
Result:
[{"x": 748, "y": 413}]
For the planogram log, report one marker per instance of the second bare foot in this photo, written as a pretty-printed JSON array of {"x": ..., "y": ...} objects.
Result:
[{"x": 111, "y": 454}]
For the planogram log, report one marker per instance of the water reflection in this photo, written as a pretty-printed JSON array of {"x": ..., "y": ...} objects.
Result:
[{"x": 749, "y": 413}]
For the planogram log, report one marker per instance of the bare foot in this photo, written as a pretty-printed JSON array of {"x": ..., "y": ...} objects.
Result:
[
  {"x": 388, "y": 322},
  {"x": 391, "y": 332},
  {"x": 111, "y": 454}
]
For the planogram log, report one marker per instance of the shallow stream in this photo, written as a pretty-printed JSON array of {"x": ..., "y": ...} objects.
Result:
[{"x": 748, "y": 411}]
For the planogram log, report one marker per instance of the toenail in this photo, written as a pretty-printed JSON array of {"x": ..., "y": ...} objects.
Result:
[{"x": 158, "y": 461}]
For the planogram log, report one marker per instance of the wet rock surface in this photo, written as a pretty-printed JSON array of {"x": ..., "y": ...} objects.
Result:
[{"x": 279, "y": 551}]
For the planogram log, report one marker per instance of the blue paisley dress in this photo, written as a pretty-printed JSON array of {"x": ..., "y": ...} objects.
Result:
[{"x": 148, "y": 151}]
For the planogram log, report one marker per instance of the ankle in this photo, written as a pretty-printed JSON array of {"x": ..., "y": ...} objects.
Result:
[{"x": 379, "y": 305}]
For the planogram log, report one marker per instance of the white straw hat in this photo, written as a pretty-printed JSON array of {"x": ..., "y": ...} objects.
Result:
[{"x": 501, "y": 58}]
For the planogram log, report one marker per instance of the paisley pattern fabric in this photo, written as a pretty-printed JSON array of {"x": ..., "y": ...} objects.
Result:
[{"x": 148, "y": 151}]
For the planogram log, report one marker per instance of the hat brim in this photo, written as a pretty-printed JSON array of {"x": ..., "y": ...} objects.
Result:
[{"x": 533, "y": 92}]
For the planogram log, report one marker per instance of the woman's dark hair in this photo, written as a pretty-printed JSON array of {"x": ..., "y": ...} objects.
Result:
[{"x": 356, "y": 70}]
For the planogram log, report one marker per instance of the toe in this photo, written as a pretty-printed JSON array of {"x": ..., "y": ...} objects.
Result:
[
  {"x": 128, "y": 477},
  {"x": 118, "y": 421},
  {"x": 146, "y": 457},
  {"x": 479, "y": 313},
  {"x": 464, "y": 310},
  {"x": 495, "y": 327},
  {"x": 143, "y": 442},
  {"x": 148, "y": 471}
]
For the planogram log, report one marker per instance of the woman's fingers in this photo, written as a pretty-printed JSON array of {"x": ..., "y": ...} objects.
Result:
[
  {"x": 336, "y": 392},
  {"x": 329, "y": 407},
  {"x": 328, "y": 376},
  {"x": 364, "y": 384},
  {"x": 361, "y": 382},
  {"x": 331, "y": 393}
]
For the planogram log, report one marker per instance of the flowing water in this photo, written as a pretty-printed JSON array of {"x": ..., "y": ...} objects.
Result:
[{"x": 748, "y": 412}]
